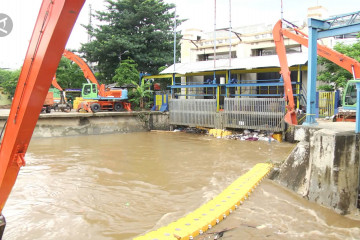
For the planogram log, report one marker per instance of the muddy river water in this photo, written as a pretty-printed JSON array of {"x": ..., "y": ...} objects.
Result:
[{"x": 121, "y": 186}]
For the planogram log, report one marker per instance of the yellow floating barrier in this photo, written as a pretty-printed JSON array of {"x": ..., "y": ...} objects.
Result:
[
  {"x": 214, "y": 211},
  {"x": 219, "y": 133}
]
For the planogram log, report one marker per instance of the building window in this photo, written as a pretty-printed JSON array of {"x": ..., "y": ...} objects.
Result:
[
  {"x": 219, "y": 55},
  {"x": 272, "y": 51}
]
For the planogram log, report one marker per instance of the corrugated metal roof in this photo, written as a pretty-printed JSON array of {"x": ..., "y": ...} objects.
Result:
[{"x": 237, "y": 63}]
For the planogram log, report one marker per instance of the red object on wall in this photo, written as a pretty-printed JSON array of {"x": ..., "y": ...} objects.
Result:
[{"x": 157, "y": 86}]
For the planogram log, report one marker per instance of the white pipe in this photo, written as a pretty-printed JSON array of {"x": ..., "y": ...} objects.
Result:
[{"x": 214, "y": 37}]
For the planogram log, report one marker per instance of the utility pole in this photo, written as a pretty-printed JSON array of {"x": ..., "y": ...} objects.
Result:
[
  {"x": 230, "y": 34},
  {"x": 90, "y": 23},
  {"x": 214, "y": 40},
  {"x": 174, "y": 39}
]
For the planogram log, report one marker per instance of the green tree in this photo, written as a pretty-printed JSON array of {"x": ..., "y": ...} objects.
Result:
[
  {"x": 9, "y": 80},
  {"x": 141, "y": 94},
  {"x": 126, "y": 73},
  {"x": 140, "y": 29},
  {"x": 69, "y": 74},
  {"x": 4, "y": 75},
  {"x": 333, "y": 75}
]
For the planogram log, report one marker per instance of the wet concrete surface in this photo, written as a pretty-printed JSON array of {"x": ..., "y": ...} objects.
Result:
[{"x": 335, "y": 126}]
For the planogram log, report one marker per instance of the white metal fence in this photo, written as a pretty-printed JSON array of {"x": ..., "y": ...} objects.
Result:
[
  {"x": 254, "y": 113},
  {"x": 193, "y": 112}
]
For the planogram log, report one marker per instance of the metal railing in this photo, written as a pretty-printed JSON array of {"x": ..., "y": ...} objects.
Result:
[
  {"x": 255, "y": 113},
  {"x": 193, "y": 112}
]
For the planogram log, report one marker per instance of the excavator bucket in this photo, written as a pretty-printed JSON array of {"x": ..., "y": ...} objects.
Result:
[{"x": 290, "y": 118}]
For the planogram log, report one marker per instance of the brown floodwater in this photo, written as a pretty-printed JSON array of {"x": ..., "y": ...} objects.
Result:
[{"x": 120, "y": 186}]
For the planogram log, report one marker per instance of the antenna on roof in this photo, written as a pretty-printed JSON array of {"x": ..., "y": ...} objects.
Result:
[{"x": 282, "y": 11}]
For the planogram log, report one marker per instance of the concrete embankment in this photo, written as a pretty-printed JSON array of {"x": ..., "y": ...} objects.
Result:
[
  {"x": 59, "y": 124},
  {"x": 324, "y": 167}
]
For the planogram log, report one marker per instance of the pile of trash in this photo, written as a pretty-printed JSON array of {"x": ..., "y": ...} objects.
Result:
[
  {"x": 247, "y": 135},
  {"x": 190, "y": 130}
]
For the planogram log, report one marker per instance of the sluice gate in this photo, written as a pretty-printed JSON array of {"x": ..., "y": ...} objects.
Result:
[
  {"x": 193, "y": 112},
  {"x": 241, "y": 113},
  {"x": 255, "y": 113},
  {"x": 214, "y": 211}
]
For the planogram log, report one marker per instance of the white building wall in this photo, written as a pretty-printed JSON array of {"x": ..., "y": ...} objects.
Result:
[{"x": 250, "y": 42}]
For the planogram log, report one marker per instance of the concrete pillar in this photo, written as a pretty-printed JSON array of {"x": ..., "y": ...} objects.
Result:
[
  {"x": 324, "y": 168},
  {"x": 334, "y": 174}
]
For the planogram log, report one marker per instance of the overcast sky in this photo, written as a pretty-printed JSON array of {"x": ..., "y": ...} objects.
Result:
[{"x": 200, "y": 14}]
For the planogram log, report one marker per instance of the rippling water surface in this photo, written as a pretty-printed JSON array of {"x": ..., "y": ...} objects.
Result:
[{"x": 121, "y": 186}]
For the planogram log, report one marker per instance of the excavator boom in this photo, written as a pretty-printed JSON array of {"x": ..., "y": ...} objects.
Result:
[
  {"x": 290, "y": 116},
  {"x": 341, "y": 60},
  {"x": 88, "y": 74},
  {"x": 56, "y": 84},
  {"x": 52, "y": 29}
]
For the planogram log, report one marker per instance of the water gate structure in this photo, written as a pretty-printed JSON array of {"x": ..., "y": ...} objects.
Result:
[
  {"x": 226, "y": 100},
  {"x": 193, "y": 112},
  {"x": 238, "y": 113}
]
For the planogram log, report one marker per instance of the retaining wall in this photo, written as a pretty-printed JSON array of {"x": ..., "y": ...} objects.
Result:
[
  {"x": 324, "y": 168},
  {"x": 72, "y": 124}
]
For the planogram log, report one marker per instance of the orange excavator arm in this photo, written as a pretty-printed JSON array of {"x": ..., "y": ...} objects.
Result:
[
  {"x": 52, "y": 29},
  {"x": 56, "y": 84},
  {"x": 290, "y": 116},
  {"x": 341, "y": 60},
  {"x": 88, "y": 73}
]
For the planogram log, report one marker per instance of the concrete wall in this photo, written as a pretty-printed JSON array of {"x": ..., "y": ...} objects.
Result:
[
  {"x": 324, "y": 168},
  {"x": 72, "y": 124}
]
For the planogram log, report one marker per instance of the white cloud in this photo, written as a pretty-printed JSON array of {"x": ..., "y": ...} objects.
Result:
[{"x": 24, "y": 13}]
